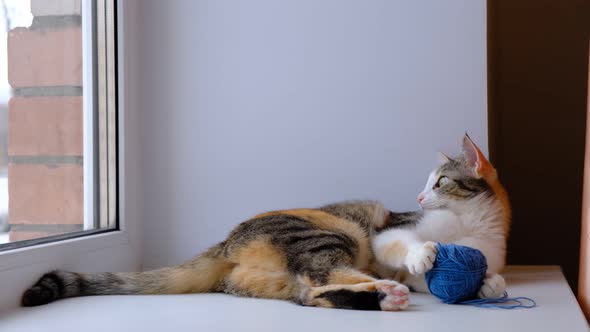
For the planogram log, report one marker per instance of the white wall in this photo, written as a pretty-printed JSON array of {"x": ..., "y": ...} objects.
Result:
[{"x": 264, "y": 104}]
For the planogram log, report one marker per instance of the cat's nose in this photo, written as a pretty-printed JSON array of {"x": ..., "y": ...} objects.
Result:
[{"x": 420, "y": 198}]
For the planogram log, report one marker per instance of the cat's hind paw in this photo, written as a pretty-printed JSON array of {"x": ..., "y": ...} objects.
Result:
[
  {"x": 393, "y": 297},
  {"x": 493, "y": 287}
]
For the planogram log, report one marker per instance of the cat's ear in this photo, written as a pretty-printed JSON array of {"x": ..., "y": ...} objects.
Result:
[
  {"x": 475, "y": 159},
  {"x": 443, "y": 158}
]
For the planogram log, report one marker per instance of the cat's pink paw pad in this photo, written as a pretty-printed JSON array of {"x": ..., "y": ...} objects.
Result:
[{"x": 394, "y": 297}]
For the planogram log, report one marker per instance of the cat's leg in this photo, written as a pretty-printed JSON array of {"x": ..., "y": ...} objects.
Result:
[
  {"x": 348, "y": 275},
  {"x": 260, "y": 271},
  {"x": 400, "y": 248},
  {"x": 385, "y": 295},
  {"x": 251, "y": 281},
  {"x": 270, "y": 278},
  {"x": 348, "y": 288}
]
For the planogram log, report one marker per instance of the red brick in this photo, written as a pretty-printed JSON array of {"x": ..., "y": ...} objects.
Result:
[
  {"x": 21, "y": 236},
  {"x": 45, "y": 57},
  {"x": 45, "y": 126},
  {"x": 42, "y": 194}
]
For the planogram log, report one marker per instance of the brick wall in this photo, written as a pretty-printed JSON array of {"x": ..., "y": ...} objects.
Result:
[
  {"x": 3, "y": 143},
  {"x": 45, "y": 181}
]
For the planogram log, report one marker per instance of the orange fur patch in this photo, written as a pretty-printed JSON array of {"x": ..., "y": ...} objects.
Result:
[
  {"x": 262, "y": 272},
  {"x": 395, "y": 251},
  {"x": 348, "y": 276},
  {"x": 491, "y": 178}
]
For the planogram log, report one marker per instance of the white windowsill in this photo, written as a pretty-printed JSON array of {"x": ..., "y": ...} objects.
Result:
[{"x": 557, "y": 310}]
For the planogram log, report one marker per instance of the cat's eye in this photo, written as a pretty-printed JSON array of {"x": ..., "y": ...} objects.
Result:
[{"x": 441, "y": 181}]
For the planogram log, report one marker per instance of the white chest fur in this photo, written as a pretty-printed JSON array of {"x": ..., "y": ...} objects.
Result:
[
  {"x": 441, "y": 226},
  {"x": 480, "y": 225}
]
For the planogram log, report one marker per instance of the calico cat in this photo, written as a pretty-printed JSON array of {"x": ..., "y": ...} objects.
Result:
[{"x": 353, "y": 255}]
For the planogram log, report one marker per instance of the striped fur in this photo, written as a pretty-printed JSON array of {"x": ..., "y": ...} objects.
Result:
[{"x": 342, "y": 255}]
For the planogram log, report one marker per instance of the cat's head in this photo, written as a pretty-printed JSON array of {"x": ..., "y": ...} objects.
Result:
[{"x": 461, "y": 180}]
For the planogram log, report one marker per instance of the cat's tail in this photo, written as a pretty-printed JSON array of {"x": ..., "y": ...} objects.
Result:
[{"x": 201, "y": 274}]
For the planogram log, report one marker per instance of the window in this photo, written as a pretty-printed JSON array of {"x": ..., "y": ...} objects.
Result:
[{"x": 58, "y": 129}]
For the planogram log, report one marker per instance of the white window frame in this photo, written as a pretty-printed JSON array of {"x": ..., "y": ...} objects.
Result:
[
  {"x": 88, "y": 50},
  {"x": 113, "y": 251}
]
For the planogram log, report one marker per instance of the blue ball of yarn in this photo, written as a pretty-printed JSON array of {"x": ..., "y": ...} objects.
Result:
[{"x": 457, "y": 274}]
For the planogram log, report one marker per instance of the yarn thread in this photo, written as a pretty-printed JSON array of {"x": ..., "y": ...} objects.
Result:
[{"x": 457, "y": 275}]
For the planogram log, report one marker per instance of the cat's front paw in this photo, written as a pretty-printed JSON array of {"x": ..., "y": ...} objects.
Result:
[
  {"x": 493, "y": 287},
  {"x": 420, "y": 258}
]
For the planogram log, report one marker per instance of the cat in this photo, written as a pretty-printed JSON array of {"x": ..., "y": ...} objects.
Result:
[{"x": 351, "y": 255}]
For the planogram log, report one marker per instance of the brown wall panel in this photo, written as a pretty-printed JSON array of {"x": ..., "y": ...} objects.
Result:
[{"x": 538, "y": 67}]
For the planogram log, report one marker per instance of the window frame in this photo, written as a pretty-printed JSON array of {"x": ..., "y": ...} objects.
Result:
[
  {"x": 116, "y": 249},
  {"x": 100, "y": 99}
]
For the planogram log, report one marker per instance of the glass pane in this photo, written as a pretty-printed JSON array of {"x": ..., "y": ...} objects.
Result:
[
  {"x": 13, "y": 14},
  {"x": 46, "y": 121}
]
